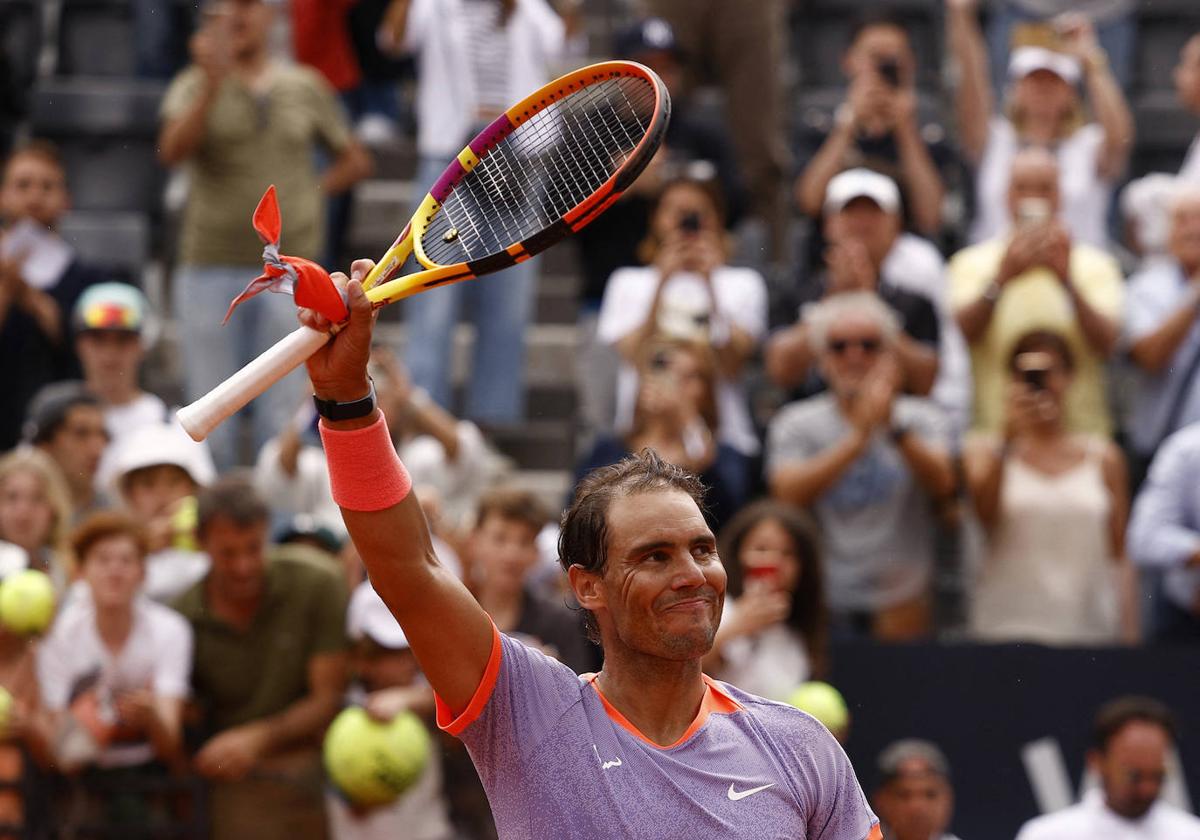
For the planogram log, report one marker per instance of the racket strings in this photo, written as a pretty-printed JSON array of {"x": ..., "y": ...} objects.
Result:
[{"x": 546, "y": 167}]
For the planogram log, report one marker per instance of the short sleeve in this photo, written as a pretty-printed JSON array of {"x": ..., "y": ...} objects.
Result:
[
  {"x": 421, "y": 16},
  {"x": 53, "y": 671},
  {"x": 180, "y": 94},
  {"x": 625, "y": 303},
  {"x": 329, "y": 121},
  {"x": 749, "y": 309},
  {"x": 173, "y": 663},
  {"x": 928, "y": 421},
  {"x": 508, "y": 720},
  {"x": 788, "y": 438},
  {"x": 329, "y": 615},
  {"x": 968, "y": 273},
  {"x": 1098, "y": 279}
]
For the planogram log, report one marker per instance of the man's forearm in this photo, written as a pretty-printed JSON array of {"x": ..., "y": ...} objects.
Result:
[
  {"x": 801, "y": 483},
  {"x": 827, "y": 162},
  {"x": 974, "y": 318},
  {"x": 303, "y": 720},
  {"x": 180, "y": 138},
  {"x": 1100, "y": 331},
  {"x": 923, "y": 184}
]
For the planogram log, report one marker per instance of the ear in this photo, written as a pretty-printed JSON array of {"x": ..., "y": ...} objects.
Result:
[{"x": 587, "y": 586}]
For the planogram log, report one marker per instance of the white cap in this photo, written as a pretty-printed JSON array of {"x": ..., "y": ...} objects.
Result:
[
  {"x": 367, "y": 616},
  {"x": 1026, "y": 60},
  {"x": 162, "y": 443},
  {"x": 861, "y": 183}
]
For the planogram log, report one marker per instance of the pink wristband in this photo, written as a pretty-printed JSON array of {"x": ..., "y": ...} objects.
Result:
[{"x": 365, "y": 473}]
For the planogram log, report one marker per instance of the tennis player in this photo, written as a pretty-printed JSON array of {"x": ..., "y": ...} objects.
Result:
[{"x": 648, "y": 748}]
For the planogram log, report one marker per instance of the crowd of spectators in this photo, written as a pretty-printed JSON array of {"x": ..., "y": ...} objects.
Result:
[{"x": 899, "y": 387}]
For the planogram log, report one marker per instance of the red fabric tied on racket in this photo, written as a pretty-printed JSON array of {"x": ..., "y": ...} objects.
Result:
[{"x": 307, "y": 282}]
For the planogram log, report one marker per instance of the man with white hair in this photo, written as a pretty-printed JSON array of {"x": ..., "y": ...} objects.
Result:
[
  {"x": 1162, "y": 331},
  {"x": 1037, "y": 278},
  {"x": 870, "y": 462}
]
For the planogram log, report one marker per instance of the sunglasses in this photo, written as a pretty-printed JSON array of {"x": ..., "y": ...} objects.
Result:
[{"x": 868, "y": 345}]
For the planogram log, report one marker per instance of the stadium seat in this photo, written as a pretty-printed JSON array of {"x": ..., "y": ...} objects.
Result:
[
  {"x": 119, "y": 242},
  {"x": 106, "y": 131},
  {"x": 96, "y": 38}
]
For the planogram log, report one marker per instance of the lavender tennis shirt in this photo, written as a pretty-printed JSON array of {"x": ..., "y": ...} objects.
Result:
[{"x": 558, "y": 761}]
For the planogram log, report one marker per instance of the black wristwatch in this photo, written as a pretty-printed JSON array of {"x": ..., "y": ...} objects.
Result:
[{"x": 334, "y": 410}]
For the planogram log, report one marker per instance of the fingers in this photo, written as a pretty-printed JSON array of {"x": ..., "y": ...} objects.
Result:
[{"x": 359, "y": 269}]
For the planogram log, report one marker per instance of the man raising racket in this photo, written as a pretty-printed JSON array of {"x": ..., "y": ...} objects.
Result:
[{"x": 647, "y": 748}]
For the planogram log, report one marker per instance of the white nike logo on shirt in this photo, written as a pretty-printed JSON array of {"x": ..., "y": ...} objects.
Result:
[{"x": 735, "y": 795}]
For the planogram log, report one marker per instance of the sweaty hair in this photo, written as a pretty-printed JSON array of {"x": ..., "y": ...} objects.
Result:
[
  {"x": 512, "y": 503},
  {"x": 234, "y": 498},
  {"x": 1116, "y": 714},
  {"x": 106, "y": 525},
  {"x": 808, "y": 616},
  {"x": 583, "y": 540}
]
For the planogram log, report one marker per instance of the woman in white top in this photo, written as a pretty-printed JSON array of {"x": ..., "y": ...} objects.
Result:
[
  {"x": 773, "y": 633},
  {"x": 1044, "y": 107},
  {"x": 1054, "y": 507},
  {"x": 688, "y": 292}
]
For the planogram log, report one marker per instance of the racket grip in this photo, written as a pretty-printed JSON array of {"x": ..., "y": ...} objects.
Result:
[{"x": 225, "y": 400}]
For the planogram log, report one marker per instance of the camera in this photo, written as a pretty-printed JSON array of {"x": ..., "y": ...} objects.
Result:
[
  {"x": 690, "y": 222},
  {"x": 1034, "y": 368},
  {"x": 889, "y": 71}
]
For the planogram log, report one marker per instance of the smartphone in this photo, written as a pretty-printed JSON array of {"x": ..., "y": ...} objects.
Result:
[
  {"x": 763, "y": 573},
  {"x": 889, "y": 71},
  {"x": 1032, "y": 212},
  {"x": 1033, "y": 369},
  {"x": 690, "y": 223}
]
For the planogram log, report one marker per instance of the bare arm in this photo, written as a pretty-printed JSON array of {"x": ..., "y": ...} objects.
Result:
[
  {"x": 931, "y": 464},
  {"x": 1154, "y": 351},
  {"x": 1100, "y": 331},
  {"x": 919, "y": 362},
  {"x": 973, "y": 98},
  {"x": 181, "y": 136},
  {"x": 450, "y": 633},
  {"x": 788, "y": 356},
  {"x": 347, "y": 169},
  {"x": 983, "y": 463},
  {"x": 1114, "y": 116},
  {"x": 827, "y": 162},
  {"x": 801, "y": 482},
  {"x": 1116, "y": 479},
  {"x": 923, "y": 184}
]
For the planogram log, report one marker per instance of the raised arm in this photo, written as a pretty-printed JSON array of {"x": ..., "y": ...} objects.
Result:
[
  {"x": 1104, "y": 92},
  {"x": 450, "y": 633},
  {"x": 181, "y": 135},
  {"x": 973, "y": 98}
]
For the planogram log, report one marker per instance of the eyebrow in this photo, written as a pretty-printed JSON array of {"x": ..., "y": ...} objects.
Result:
[{"x": 647, "y": 547}]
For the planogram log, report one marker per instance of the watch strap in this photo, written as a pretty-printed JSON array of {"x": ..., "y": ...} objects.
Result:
[{"x": 334, "y": 410}]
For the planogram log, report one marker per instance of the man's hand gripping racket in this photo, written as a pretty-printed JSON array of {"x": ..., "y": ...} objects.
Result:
[{"x": 544, "y": 169}]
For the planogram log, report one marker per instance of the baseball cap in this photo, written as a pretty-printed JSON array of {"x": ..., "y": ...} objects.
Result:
[
  {"x": 111, "y": 306},
  {"x": 861, "y": 183},
  {"x": 1026, "y": 60},
  {"x": 368, "y": 617},
  {"x": 162, "y": 443},
  {"x": 651, "y": 34}
]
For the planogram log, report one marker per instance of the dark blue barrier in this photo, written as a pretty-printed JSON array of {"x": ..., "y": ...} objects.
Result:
[{"x": 982, "y": 704}]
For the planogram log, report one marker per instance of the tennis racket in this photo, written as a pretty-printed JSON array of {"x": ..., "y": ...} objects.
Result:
[{"x": 544, "y": 169}]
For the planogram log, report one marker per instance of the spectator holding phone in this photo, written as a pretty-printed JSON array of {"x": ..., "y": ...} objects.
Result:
[
  {"x": 774, "y": 630},
  {"x": 877, "y": 125},
  {"x": 1054, "y": 505},
  {"x": 1044, "y": 107},
  {"x": 688, "y": 292},
  {"x": 1039, "y": 277}
]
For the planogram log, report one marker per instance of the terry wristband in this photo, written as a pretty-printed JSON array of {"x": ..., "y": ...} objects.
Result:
[{"x": 365, "y": 473}]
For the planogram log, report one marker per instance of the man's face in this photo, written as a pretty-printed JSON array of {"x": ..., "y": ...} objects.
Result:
[
  {"x": 504, "y": 550},
  {"x": 853, "y": 346},
  {"x": 876, "y": 46},
  {"x": 78, "y": 444},
  {"x": 109, "y": 357},
  {"x": 239, "y": 558},
  {"x": 248, "y": 22},
  {"x": 663, "y": 586},
  {"x": 34, "y": 188},
  {"x": 1133, "y": 768},
  {"x": 113, "y": 569},
  {"x": 154, "y": 491},
  {"x": 1187, "y": 75},
  {"x": 1034, "y": 176},
  {"x": 865, "y": 221},
  {"x": 916, "y": 805},
  {"x": 1184, "y": 242}
]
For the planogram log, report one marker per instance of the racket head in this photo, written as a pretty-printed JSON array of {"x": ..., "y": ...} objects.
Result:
[{"x": 540, "y": 171}]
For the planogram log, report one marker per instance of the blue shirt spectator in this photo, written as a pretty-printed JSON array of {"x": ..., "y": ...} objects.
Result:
[{"x": 1164, "y": 532}]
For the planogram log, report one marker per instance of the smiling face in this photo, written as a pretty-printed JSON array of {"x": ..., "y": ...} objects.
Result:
[{"x": 661, "y": 591}]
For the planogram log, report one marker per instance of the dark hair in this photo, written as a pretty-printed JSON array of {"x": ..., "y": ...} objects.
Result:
[
  {"x": 50, "y": 407},
  {"x": 1116, "y": 714},
  {"x": 809, "y": 615},
  {"x": 106, "y": 525},
  {"x": 513, "y": 503},
  {"x": 874, "y": 16},
  {"x": 38, "y": 148},
  {"x": 899, "y": 753},
  {"x": 234, "y": 498},
  {"x": 583, "y": 539},
  {"x": 1042, "y": 341}
]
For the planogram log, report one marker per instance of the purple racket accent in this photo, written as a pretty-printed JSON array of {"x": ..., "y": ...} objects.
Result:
[
  {"x": 500, "y": 128},
  {"x": 445, "y": 184}
]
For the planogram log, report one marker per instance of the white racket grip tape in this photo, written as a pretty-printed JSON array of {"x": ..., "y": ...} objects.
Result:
[{"x": 208, "y": 412}]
